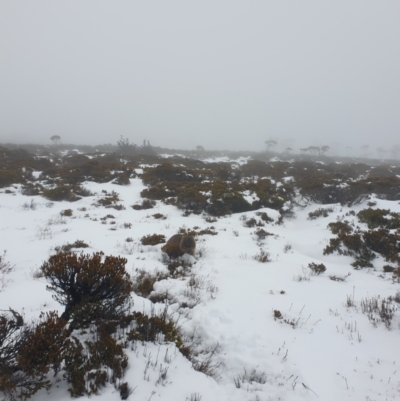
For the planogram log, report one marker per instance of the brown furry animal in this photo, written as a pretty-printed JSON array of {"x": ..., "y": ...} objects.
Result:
[{"x": 179, "y": 244}]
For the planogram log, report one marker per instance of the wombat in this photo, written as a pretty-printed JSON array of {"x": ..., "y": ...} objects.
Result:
[{"x": 179, "y": 244}]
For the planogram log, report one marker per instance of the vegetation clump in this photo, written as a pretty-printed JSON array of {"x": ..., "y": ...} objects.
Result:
[
  {"x": 110, "y": 200},
  {"x": 321, "y": 212},
  {"x": 317, "y": 268},
  {"x": 363, "y": 245},
  {"x": 153, "y": 239},
  {"x": 146, "y": 204},
  {"x": 143, "y": 281},
  {"x": 379, "y": 218},
  {"x": 67, "y": 247},
  {"x": 91, "y": 287}
]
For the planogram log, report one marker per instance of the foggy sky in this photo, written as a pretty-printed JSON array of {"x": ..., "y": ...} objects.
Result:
[{"x": 221, "y": 74}]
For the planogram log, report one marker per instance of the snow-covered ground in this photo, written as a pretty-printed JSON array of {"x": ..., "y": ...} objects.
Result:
[{"x": 319, "y": 348}]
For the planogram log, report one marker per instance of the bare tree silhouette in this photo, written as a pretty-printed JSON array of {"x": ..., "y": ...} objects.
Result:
[{"x": 56, "y": 139}]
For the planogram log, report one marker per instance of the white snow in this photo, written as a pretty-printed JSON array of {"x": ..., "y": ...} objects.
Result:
[{"x": 321, "y": 349}]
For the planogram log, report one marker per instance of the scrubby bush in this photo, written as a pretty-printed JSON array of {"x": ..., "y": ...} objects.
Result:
[
  {"x": 90, "y": 365},
  {"x": 264, "y": 216},
  {"x": 379, "y": 218},
  {"x": 9, "y": 177},
  {"x": 65, "y": 192},
  {"x": 159, "y": 216},
  {"x": 122, "y": 179},
  {"x": 261, "y": 234},
  {"x": 67, "y": 247},
  {"x": 262, "y": 257},
  {"x": 28, "y": 352},
  {"x": 66, "y": 212},
  {"x": 321, "y": 212},
  {"x": 146, "y": 204},
  {"x": 60, "y": 193},
  {"x": 110, "y": 200},
  {"x": 317, "y": 269},
  {"x": 153, "y": 239},
  {"x": 149, "y": 328},
  {"x": 143, "y": 282},
  {"x": 91, "y": 287}
]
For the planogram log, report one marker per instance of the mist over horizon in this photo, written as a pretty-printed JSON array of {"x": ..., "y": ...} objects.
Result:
[{"x": 226, "y": 75}]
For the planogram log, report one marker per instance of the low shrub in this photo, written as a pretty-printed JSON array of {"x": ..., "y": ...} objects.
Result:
[
  {"x": 155, "y": 327},
  {"x": 66, "y": 212},
  {"x": 67, "y": 247},
  {"x": 261, "y": 234},
  {"x": 28, "y": 352},
  {"x": 262, "y": 257},
  {"x": 153, "y": 239},
  {"x": 159, "y": 216},
  {"x": 379, "y": 218},
  {"x": 317, "y": 269},
  {"x": 321, "y": 212},
  {"x": 9, "y": 177},
  {"x": 264, "y": 217},
  {"x": 146, "y": 204},
  {"x": 143, "y": 281},
  {"x": 61, "y": 193},
  {"x": 89, "y": 366},
  {"x": 109, "y": 200}
]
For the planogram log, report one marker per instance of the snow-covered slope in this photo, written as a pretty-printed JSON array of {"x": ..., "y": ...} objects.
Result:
[{"x": 274, "y": 330}]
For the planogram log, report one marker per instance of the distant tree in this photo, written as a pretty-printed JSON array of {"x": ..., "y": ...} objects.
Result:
[
  {"x": 324, "y": 149},
  {"x": 314, "y": 150},
  {"x": 394, "y": 152},
  {"x": 270, "y": 143},
  {"x": 364, "y": 149},
  {"x": 381, "y": 152},
  {"x": 56, "y": 139},
  {"x": 288, "y": 150},
  {"x": 200, "y": 148},
  {"x": 125, "y": 147}
]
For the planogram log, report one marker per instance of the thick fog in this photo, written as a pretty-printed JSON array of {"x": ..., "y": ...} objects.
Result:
[{"x": 220, "y": 74}]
